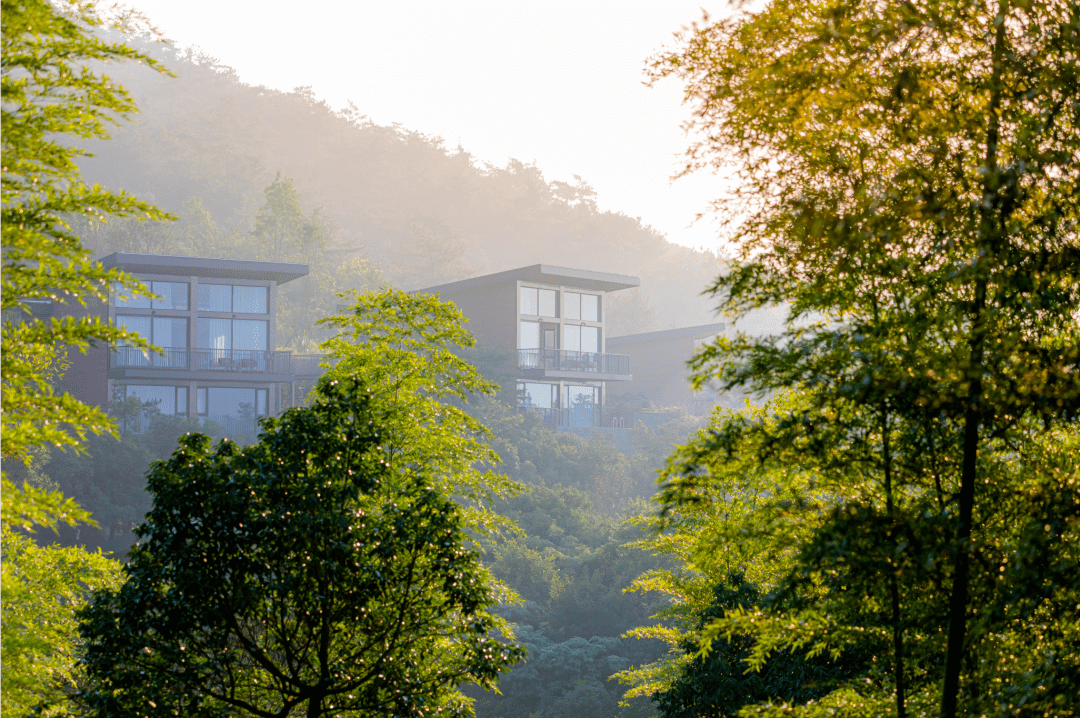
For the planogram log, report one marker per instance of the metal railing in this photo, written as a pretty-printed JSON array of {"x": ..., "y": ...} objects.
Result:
[
  {"x": 203, "y": 360},
  {"x": 576, "y": 416},
  {"x": 559, "y": 360}
]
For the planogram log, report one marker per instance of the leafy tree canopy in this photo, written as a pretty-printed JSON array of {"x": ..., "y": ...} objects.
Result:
[
  {"x": 909, "y": 189},
  {"x": 305, "y": 573}
]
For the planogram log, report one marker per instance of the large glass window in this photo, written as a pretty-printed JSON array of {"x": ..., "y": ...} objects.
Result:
[
  {"x": 215, "y": 334},
  {"x": 215, "y": 298},
  {"x": 547, "y": 302},
  {"x": 230, "y": 298},
  {"x": 228, "y": 334},
  {"x": 537, "y": 302},
  {"x": 590, "y": 307},
  {"x": 529, "y": 303},
  {"x": 581, "y": 339},
  {"x": 170, "y": 334},
  {"x": 530, "y": 335},
  {"x": 571, "y": 305},
  {"x": 169, "y": 400},
  {"x": 234, "y": 409},
  {"x": 249, "y": 300},
  {"x": 582, "y": 405},
  {"x": 249, "y": 334},
  {"x": 170, "y": 295},
  {"x": 581, "y": 306},
  {"x": 538, "y": 396}
]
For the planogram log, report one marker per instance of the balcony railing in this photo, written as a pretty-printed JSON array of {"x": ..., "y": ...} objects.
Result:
[
  {"x": 203, "y": 360},
  {"x": 587, "y": 415},
  {"x": 559, "y": 360}
]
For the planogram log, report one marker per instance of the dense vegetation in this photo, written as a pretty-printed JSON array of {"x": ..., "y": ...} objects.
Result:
[{"x": 892, "y": 532}]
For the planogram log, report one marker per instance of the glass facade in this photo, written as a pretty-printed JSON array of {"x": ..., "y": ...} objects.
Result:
[
  {"x": 537, "y": 302},
  {"x": 169, "y": 295},
  {"x": 585, "y": 307},
  {"x": 169, "y": 400},
  {"x": 581, "y": 339},
  {"x": 233, "y": 299},
  {"x": 228, "y": 334},
  {"x": 234, "y": 409}
]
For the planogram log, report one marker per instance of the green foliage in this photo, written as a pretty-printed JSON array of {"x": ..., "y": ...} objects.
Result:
[
  {"x": 311, "y": 571},
  {"x": 909, "y": 190},
  {"x": 400, "y": 346},
  {"x": 718, "y": 682},
  {"x": 42, "y": 590},
  {"x": 51, "y": 98}
]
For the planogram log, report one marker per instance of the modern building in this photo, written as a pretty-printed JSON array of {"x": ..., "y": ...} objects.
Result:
[
  {"x": 212, "y": 321},
  {"x": 550, "y": 322},
  {"x": 660, "y": 361}
]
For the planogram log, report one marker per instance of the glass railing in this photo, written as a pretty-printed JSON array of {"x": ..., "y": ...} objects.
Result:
[
  {"x": 559, "y": 360},
  {"x": 203, "y": 360}
]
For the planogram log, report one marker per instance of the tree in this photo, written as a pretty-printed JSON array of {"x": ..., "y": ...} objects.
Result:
[
  {"x": 909, "y": 189},
  {"x": 309, "y": 574},
  {"x": 401, "y": 346},
  {"x": 51, "y": 100},
  {"x": 42, "y": 589}
]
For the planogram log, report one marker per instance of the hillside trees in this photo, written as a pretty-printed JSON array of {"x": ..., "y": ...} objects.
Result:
[
  {"x": 911, "y": 177},
  {"x": 210, "y": 135}
]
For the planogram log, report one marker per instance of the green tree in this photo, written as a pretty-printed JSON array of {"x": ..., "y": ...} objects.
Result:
[
  {"x": 52, "y": 100},
  {"x": 43, "y": 587},
  {"x": 909, "y": 189},
  {"x": 401, "y": 347},
  {"x": 306, "y": 574}
]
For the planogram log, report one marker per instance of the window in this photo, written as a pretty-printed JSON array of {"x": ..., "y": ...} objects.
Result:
[
  {"x": 581, "y": 306},
  {"x": 582, "y": 405},
  {"x": 538, "y": 396},
  {"x": 590, "y": 307},
  {"x": 233, "y": 409},
  {"x": 168, "y": 333},
  {"x": 537, "y": 302},
  {"x": 229, "y": 334},
  {"x": 530, "y": 335},
  {"x": 170, "y": 400},
  {"x": 170, "y": 295},
  {"x": 581, "y": 339},
  {"x": 529, "y": 303},
  {"x": 571, "y": 305},
  {"x": 249, "y": 300},
  {"x": 229, "y": 298}
]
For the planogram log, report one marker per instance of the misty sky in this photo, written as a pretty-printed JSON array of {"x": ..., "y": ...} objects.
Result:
[{"x": 555, "y": 84}]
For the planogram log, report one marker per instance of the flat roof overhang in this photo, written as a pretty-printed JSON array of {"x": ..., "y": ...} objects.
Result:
[
  {"x": 541, "y": 274},
  {"x": 279, "y": 272}
]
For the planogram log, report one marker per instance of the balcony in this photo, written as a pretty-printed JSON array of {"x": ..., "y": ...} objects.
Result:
[
  {"x": 556, "y": 364},
  {"x": 237, "y": 361}
]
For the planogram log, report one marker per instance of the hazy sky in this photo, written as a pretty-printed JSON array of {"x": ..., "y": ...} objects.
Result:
[{"x": 555, "y": 84}]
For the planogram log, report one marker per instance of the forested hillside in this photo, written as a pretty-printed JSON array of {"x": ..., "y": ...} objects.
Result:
[{"x": 422, "y": 212}]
